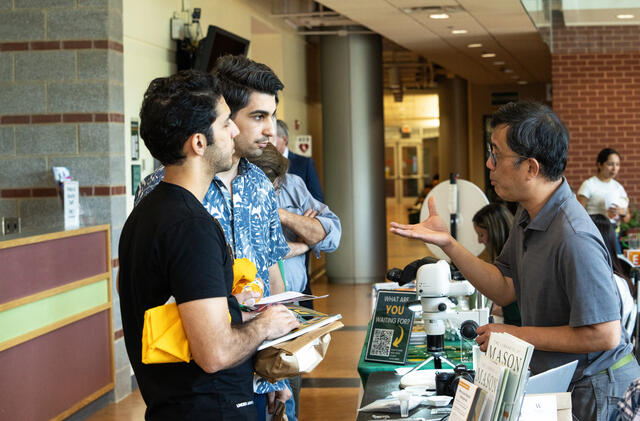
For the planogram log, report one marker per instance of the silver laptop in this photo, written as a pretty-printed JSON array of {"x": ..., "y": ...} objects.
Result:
[{"x": 555, "y": 380}]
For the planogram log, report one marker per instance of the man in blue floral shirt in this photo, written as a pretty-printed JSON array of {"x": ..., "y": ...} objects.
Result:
[{"x": 242, "y": 199}]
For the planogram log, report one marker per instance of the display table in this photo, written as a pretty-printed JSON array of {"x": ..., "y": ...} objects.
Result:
[
  {"x": 416, "y": 354},
  {"x": 381, "y": 384}
]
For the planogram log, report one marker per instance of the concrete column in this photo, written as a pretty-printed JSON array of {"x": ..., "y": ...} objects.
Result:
[
  {"x": 453, "y": 144},
  {"x": 353, "y": 134}
]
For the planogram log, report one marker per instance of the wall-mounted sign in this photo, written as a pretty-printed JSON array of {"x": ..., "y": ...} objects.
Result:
[
  {"x": 135, "y": 177},
  {"x": 135, "y": 140},
  {"x": 303, "y": 145},
  {"x": 71, "y": 201}
]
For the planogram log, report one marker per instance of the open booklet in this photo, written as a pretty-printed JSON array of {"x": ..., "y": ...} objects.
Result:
[{"x": 309, "y": 320}]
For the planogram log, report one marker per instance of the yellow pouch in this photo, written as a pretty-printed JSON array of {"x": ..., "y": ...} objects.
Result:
[
  {"x": 243, "y": 269},
  {"x": 163, "y": 338},
  {"x": 244, "y": 277}
]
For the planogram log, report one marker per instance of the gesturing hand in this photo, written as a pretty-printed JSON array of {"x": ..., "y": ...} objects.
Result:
[{"x": 432, "y": 230}]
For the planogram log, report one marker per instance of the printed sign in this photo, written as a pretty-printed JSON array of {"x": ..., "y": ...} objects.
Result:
[
  {"x": 135, "y": 177},
  {"x": 634, "y": 257},
  {"x": 303, "y": 145},
  {"x": 390, "y": 328},
  {"x": 135, "y": 141},
  {"x": 71, "y": 199}
]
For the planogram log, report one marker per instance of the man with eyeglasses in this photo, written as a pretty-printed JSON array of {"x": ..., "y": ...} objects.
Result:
[{"x": 554, "y": 262}]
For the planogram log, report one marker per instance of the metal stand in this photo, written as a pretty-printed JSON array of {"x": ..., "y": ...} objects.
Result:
[{"x": 437, "y": 359}]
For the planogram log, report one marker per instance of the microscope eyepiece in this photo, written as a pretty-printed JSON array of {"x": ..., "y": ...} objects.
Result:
[{"x": 394, "y": 275}]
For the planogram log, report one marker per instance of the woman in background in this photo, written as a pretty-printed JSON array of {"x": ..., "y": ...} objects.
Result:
[
  {"x": 492, "y": 223},
  {"x": 603, "y": 195},
  {"x": 625, "y": 287}
]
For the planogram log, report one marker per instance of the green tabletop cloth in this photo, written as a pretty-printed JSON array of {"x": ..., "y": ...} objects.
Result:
[{"x": 416, "y": 354}]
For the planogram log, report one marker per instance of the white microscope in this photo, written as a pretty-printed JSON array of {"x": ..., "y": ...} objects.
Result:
[{"x": 433, "y": 289}]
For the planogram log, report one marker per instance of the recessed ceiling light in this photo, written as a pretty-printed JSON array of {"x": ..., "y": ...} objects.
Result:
[
  {"x": 522, "y": 82},
  {"x": 459, "y": 31},
  {"x": 488, "y": 55},
  {"x": 625, "y": 16},
  {"x": 439, "y": 16},
  {"x": 498, "y": 63},
  {"x": 508, "y": 70},
  {"x": 407, "y": 10},
  {"x": 476, "y": 45}
]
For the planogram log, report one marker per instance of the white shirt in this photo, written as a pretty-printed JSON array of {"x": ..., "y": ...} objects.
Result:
[
  {"x": 601, "y": 196},
  {"x": 627, "y": 303}
]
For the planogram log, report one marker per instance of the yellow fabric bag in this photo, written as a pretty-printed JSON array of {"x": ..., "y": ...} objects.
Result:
[{"x": 163, "y": 337}]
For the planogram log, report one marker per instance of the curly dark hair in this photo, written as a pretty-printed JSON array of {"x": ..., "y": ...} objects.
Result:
[
  {"x": 176, "y": 107},
  {"x": 534, "y": 131},
  {"x": 240, "y": 77}
]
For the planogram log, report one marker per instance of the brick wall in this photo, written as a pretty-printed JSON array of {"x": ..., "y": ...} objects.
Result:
[
  {"x": 62, "y": 104},
  {"x": 596, "y": 92}
]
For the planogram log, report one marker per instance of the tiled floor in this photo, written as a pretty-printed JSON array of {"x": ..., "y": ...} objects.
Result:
[{"x": 332, "y": 391}]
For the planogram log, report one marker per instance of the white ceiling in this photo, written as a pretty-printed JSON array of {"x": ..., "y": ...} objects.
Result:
[{"x": 501, "y": 26}]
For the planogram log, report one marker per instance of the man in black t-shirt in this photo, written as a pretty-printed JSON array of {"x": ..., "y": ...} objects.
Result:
[{"x": 171, "y": 247}]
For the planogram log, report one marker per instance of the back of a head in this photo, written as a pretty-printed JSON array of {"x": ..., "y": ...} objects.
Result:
[
  {"x": 240, "y": 76},
  {"x": 271, "y": 162},
  {"x": 608, "y": 234},
  {"x": 497, "y": 220},
  {"x": 534, "y": 131},
  {"x": 283, "y": 129},
  {"x": 173, "y": 109}
]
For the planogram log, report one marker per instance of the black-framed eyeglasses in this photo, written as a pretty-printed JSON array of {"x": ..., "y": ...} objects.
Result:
[{"x": 494, "y": 158}]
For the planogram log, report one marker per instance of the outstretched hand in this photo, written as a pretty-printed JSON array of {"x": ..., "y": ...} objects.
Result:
[{"x": 432, "y": 230}]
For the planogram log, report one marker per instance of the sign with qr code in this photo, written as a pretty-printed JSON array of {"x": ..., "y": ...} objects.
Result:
[{"x": 390, "y": 328}]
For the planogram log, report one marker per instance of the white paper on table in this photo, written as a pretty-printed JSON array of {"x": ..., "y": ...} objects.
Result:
[
  {"x": 539, "y": 407},
  {"x": 288, "y": 297}
]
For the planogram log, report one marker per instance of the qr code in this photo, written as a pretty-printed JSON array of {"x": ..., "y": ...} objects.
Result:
[{"x": 381, "y": 343}]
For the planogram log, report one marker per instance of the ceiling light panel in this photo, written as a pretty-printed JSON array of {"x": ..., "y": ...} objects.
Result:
[
  {"x": 486, "y": 23},
  {"x": 610, "y": 16}
]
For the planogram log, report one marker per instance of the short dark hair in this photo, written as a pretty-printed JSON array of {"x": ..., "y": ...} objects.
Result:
[
  {"x": 497, "y": 220},
  {"x": 283, "y": 129},
  {"x": 240, "y": 77},
  {"x": 173, "y": 109},
  {"x": 604, "y": 154},
  {"x": 272, "y": 163},
  {"x": 534, "y": 131}
]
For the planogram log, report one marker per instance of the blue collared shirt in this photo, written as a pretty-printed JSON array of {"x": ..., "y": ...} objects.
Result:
[
  {"x": 249, "y": 216},
  {"x": 296, "y": 198}
]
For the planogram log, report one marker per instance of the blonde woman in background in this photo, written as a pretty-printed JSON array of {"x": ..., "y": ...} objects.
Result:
[{"x": 492, "y": 223}]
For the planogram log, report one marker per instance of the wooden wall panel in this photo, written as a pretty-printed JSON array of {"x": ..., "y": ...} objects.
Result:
[
  {"x": 32, "y": 268},
  {"x": 46, "y": 376}
]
